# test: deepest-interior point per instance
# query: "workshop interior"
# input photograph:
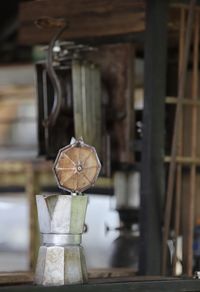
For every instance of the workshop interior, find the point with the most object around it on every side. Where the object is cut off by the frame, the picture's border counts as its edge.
(100, 145)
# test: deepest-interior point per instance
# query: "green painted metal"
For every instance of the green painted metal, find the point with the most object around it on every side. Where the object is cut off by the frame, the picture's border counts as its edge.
(78, 212)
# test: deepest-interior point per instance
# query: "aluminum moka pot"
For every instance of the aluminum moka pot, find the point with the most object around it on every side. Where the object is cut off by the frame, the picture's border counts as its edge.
(61, 218)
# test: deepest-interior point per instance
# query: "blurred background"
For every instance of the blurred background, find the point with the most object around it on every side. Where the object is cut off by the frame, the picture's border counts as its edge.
(138, 61)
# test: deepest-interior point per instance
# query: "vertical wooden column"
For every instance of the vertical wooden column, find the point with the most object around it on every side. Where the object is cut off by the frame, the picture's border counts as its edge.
(152, 169)
(191, 200)
(177, 215)
(32, 189)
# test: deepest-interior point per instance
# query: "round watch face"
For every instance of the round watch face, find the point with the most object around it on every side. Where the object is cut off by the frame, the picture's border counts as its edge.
(77, 167)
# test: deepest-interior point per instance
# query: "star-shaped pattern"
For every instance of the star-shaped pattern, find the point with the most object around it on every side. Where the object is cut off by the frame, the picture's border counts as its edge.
(77, 167)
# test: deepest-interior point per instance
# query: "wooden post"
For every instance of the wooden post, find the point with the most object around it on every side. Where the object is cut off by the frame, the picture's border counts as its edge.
(32, 188)
(191, 200)
(177, 214)
(152, 172)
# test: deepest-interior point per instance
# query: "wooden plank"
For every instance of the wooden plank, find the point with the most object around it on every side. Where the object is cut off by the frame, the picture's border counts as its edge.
(190, 180)
(172, 166)
(191, 200)
(16, 278)
(110, 273)
(184, 218)
(186, 101)
(147, 284)
(197, 199)
(85, 18)
(12, 173)
(187, 160)
(32, 189)
(179, 146)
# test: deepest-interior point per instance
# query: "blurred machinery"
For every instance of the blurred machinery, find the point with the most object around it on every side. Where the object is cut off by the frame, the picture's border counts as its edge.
(68, 87)
(125, 248)
(81, 93)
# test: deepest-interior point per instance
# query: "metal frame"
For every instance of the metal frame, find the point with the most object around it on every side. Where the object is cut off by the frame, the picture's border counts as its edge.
(152, 168)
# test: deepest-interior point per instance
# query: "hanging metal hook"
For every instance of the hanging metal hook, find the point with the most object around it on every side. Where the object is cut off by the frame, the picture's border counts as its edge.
(50, 121)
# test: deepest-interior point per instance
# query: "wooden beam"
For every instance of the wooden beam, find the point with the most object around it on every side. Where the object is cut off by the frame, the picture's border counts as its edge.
(16, 278)
(85, 18)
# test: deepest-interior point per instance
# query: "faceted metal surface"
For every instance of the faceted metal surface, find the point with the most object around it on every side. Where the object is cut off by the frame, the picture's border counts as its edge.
(61, 259)
(86, 80)
(77, 167)
(61, 214)
(59, 265)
